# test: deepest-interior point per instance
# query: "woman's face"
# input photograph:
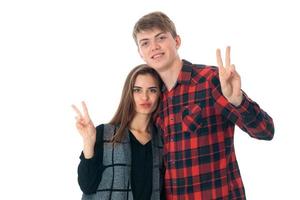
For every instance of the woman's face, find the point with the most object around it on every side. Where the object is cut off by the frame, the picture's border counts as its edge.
(145, 94)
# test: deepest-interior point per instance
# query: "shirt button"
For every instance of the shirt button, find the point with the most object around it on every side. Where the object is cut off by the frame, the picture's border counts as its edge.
(173, 163)
(172, 138)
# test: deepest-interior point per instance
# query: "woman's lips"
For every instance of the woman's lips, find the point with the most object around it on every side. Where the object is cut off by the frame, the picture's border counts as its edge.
(145, 105)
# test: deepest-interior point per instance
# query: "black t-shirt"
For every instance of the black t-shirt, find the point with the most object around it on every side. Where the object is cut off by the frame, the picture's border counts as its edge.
(141, 169)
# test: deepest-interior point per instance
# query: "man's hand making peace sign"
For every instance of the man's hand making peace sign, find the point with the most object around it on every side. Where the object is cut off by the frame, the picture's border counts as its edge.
(229, 78)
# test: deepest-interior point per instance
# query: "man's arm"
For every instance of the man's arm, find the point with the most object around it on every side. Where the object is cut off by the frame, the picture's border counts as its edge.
(235, 105)
(248, 115)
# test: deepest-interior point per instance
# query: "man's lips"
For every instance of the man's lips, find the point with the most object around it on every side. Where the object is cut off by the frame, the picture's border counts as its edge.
(157, 55)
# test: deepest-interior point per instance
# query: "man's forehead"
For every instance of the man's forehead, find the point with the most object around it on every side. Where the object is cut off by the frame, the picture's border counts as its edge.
(145, 34)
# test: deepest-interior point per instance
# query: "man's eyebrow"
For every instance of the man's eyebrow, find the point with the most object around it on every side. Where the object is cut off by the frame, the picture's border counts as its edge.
(151, 87)
(163, 32)
(157, 35)
(144, 39)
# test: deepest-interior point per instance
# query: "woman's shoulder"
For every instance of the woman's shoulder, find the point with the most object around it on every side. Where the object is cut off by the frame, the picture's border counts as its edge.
(105, 126)
(105, 130)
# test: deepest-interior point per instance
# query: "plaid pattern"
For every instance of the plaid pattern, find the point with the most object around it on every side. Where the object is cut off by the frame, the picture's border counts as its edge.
(197, 123)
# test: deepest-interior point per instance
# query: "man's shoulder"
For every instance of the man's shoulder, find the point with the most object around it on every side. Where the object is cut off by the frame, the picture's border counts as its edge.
(204, 68)
(202, 72)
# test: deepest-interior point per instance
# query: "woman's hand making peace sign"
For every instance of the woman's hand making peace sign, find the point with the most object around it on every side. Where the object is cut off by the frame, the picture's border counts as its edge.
(86, 129)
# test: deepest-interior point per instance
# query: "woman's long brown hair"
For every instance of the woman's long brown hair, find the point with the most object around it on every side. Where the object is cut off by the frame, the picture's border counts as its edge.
(126, 108)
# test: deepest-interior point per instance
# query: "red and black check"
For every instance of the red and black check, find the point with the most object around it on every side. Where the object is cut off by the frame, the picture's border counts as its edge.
(197, 123)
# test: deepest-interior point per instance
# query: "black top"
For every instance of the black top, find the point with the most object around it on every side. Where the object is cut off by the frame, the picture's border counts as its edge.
(141, 168)
(141, 171)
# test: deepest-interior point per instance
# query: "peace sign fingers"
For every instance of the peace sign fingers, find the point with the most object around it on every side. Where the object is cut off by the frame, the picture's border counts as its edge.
(85, 115)
(85, 110)
(79, 115)
(219, 59)
(229, 78)
(224, 72)
(227, 57)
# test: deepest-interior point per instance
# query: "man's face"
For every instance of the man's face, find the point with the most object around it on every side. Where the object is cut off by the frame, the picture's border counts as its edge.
(158, 48)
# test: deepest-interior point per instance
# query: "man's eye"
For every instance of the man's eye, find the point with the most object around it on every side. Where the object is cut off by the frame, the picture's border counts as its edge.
(143, 44)
(162, 37)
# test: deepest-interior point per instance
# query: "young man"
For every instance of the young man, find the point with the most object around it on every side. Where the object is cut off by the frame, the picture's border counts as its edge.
(200, 107)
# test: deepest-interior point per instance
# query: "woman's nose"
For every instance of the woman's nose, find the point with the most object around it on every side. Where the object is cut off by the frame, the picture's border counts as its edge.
(145, 96)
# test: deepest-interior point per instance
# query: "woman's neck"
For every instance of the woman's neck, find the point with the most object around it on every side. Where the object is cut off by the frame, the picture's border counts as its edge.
(140, 123)
(139, 128)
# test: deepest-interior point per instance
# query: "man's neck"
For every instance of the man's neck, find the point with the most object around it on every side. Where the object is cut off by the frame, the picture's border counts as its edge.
(170, 75)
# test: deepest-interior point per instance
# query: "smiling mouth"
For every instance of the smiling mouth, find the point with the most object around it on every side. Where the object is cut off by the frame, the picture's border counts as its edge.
(157, 55)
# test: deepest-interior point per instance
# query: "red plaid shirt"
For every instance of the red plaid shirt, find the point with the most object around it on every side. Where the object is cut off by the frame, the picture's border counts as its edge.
(197, 123)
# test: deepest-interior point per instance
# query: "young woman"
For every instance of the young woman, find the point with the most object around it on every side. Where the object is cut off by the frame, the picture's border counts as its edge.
(123, 159)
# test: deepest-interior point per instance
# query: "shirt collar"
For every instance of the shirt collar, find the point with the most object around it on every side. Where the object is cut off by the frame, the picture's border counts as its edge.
(184, 76)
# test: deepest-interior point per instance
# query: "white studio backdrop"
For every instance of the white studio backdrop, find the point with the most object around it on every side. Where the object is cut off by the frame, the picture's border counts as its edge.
(57, 53)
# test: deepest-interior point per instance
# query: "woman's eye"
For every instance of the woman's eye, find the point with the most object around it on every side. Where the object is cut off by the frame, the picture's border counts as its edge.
(136, 90)
(153, 90)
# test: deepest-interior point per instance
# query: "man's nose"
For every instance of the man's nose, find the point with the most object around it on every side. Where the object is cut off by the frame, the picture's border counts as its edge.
(154, 46)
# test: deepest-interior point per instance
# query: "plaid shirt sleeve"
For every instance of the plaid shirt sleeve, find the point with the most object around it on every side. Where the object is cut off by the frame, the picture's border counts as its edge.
(248, 116)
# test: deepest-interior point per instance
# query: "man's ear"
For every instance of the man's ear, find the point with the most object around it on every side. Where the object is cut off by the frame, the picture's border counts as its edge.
(178, 41)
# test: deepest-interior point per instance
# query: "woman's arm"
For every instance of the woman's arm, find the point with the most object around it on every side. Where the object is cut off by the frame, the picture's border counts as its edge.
(90, 169)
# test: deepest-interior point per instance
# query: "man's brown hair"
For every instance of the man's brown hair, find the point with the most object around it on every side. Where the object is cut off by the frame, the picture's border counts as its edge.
(154, 20)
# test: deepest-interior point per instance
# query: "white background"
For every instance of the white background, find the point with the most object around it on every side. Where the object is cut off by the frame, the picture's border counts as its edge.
(56, 53)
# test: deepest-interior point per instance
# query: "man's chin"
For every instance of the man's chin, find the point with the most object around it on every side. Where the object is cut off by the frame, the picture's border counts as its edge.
(158, 64)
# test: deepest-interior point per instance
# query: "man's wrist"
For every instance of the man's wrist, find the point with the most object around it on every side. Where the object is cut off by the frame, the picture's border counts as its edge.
(237, 100)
